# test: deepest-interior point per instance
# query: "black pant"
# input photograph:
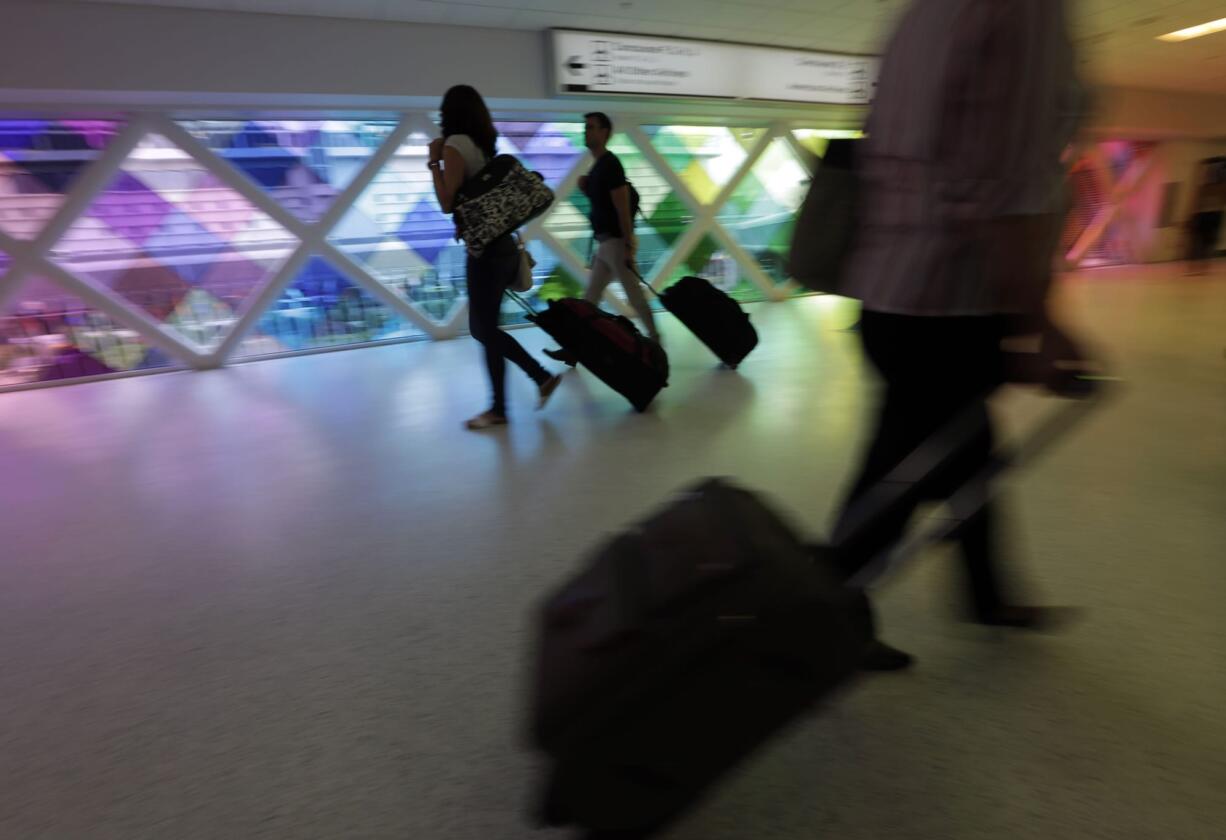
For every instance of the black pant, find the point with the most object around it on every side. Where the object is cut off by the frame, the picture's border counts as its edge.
(489, 276)
(935, 369)
(1205, 229)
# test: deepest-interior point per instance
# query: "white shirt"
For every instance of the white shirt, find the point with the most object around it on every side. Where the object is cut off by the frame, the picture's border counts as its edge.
(474, 159)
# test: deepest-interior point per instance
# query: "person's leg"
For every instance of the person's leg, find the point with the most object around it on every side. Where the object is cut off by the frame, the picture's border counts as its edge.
(598, 279)
(980, 554)
(1213, 232)
(501, 268)
(935, 369)
(971, 346)
(899, 430)
(617, 259)
(884, 341)
(484, 302)
(1195, 238)
(1192, 239)
(989, 592)
(1204, 237)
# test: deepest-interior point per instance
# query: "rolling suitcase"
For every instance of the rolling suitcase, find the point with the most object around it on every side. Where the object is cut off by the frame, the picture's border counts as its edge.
(690, 640)
(715, 318)
(610, 346)
(682, 647)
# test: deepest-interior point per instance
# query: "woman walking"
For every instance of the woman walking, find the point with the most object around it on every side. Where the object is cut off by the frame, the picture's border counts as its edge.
(468, 143)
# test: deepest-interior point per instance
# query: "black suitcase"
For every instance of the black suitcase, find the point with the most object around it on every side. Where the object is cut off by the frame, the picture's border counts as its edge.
(715, 318)
(683, 646)
(691, 639)
(610, 346)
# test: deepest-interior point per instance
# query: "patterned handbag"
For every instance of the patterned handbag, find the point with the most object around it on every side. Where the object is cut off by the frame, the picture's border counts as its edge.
(501, 198)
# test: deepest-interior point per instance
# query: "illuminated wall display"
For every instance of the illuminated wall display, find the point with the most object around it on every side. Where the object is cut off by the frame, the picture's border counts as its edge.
(189, 243)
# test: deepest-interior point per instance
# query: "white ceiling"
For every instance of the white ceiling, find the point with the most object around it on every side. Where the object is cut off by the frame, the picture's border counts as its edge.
(1117, 36)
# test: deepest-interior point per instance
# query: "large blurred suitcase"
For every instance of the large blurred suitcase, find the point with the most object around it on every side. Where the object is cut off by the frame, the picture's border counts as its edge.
(683, 646)
(690, 639)
(610, 346)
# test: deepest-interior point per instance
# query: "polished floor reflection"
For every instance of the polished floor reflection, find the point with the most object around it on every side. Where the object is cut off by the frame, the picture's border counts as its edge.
(292, 599)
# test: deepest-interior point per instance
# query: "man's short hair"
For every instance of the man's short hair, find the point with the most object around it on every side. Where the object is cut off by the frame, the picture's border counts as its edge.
(602, 120)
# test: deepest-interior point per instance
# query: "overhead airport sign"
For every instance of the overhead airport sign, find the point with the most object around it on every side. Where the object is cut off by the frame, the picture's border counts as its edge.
(599, 63)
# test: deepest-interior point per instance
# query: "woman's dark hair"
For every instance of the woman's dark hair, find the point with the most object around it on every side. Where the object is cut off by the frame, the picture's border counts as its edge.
(464, 112)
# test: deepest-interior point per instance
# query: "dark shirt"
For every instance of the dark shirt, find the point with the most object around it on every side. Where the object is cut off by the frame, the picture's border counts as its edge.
(605, 176)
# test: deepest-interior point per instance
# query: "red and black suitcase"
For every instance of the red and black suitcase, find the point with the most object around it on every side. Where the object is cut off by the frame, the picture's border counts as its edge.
(610, 346)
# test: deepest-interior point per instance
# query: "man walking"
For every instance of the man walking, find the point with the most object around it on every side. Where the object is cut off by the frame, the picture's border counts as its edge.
(612, 219)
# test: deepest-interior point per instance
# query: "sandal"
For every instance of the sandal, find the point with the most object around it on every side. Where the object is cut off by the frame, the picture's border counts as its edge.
(547, 388)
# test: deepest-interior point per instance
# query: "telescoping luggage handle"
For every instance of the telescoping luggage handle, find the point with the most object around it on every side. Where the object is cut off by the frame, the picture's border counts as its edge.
(1083, 395)
(635, 271)
(518, 298)
(515, 296)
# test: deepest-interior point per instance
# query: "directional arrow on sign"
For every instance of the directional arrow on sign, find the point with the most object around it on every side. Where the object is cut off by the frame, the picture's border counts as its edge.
(574, 65)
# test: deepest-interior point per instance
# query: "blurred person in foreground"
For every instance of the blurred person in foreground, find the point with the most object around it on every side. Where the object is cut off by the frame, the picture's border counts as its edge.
(962, 193)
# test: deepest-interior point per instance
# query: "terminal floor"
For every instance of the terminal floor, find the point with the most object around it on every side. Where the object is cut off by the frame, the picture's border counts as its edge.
(294, 599)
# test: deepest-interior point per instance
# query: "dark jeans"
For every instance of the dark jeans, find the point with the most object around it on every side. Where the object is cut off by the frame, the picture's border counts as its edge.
(935, 369)
(489, 276)
(1205, 229)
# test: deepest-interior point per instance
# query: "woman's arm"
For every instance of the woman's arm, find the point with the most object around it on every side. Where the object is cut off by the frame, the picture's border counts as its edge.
(448, 172)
